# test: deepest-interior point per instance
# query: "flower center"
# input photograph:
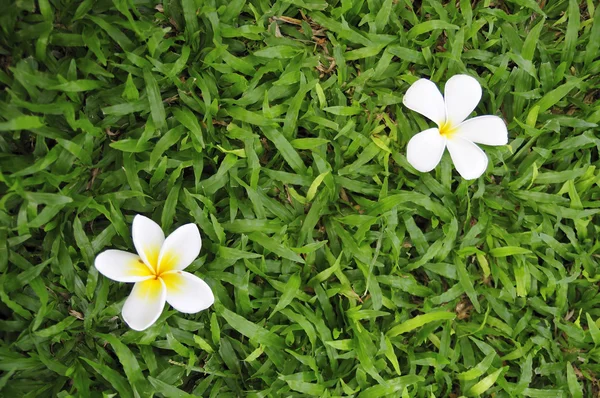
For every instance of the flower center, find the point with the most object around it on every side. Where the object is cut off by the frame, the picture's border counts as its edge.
(447, 130)
(151, 270)
(168, 262)
(158, 274)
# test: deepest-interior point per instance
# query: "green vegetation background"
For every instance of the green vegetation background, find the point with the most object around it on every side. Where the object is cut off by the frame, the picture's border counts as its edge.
(277, 127)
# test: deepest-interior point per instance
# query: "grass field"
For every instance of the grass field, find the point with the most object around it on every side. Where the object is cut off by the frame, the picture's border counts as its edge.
(278, 128)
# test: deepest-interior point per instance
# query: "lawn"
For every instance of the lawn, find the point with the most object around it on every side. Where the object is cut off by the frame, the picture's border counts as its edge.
(279, 129)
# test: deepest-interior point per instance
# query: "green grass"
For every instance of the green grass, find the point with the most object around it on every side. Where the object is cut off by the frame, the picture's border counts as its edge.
(277, 127)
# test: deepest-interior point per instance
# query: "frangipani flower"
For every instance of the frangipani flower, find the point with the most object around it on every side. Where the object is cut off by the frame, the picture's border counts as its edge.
(157, 271)
(461, 95)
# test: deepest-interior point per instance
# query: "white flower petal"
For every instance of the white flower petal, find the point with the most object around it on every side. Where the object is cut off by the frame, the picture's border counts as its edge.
(145, 304)
(425, 150)
(470, 161)
(487, 130)
(186, 292)
(122, 266)
(462, 94)
(180, 248)
(148, 239)
(424, 97)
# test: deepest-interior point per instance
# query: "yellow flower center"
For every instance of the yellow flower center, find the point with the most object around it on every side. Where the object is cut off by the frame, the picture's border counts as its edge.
(447, 130)
(158, 269)
(170, 276)
(152, 271)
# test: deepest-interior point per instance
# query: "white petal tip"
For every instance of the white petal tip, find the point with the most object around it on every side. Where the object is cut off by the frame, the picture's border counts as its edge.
(145, 304)
(487, 130)
(187, 293)
(418, 166)
(140, 217)
(180, 248)
(465, 78)
(462, 94)
(424, 97)
(191, 228)
(121, 266)
(134, 327)
(471, 178)
(425, 150)
(469, 160)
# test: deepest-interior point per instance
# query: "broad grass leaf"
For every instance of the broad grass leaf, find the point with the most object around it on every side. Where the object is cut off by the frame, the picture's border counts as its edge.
(118, 382)
(189, 120)
(593, 43)
(574, 386)
(593, 329)
(286, 149)
(169, 139)
(189, 10)
(428, 26)
(115, 33)
(343, 110)
(25, 277)
(22, 123)
(275, 246)
(289, 292)
(250, 329)
(485, 384)
(508, 251)
(465, 281)
(419, 321)
(278, 52)
(311, 389)
(56, 328)
(167, 389)
(78, 86)
(572, 34)
(129, 362)
(310, 4)
(393, 387)
(155, 100)
(478, 370)
(552, 97)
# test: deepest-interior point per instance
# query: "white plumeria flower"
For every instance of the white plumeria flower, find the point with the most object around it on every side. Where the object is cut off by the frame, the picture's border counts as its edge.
(157, 272)
(461, 96)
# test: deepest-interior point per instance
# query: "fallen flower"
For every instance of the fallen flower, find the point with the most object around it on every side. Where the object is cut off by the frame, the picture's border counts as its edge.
(461, 95)
(157, 272)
